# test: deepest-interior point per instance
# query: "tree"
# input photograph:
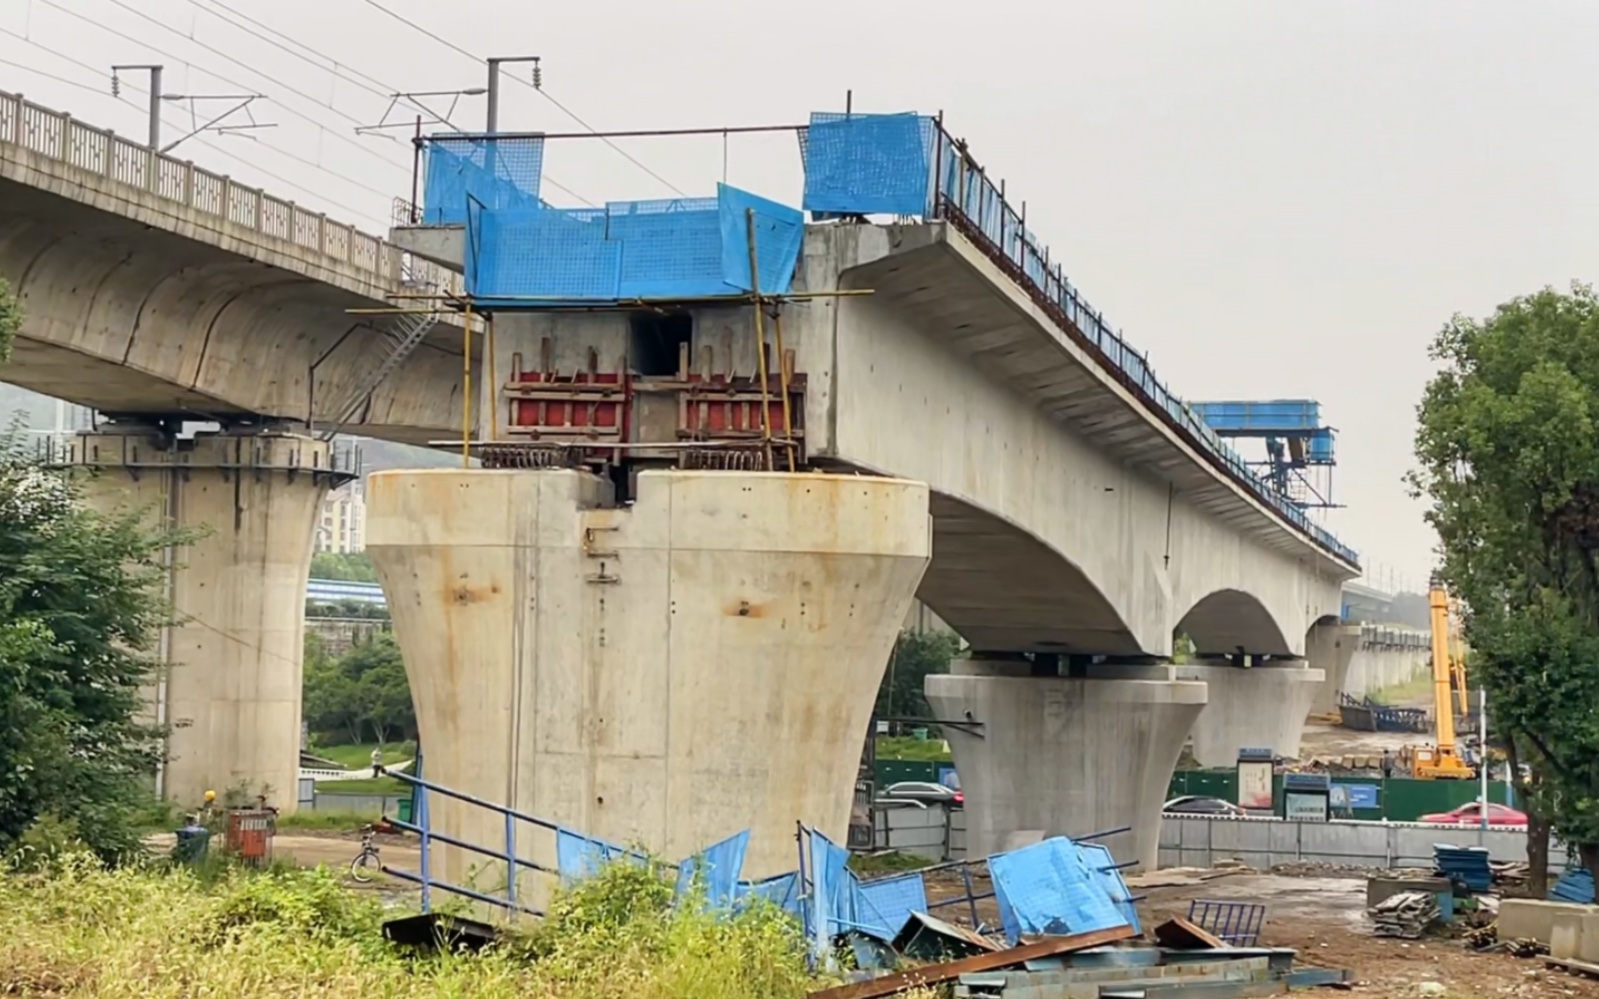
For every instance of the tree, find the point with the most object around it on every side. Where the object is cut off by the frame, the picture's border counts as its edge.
(80, 609)
(915, 655)
(362, 692)
(352, 567)
(1508, 454)
(10, 319)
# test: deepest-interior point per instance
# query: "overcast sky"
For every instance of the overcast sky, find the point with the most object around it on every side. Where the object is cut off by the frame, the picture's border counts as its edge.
(1275, 199)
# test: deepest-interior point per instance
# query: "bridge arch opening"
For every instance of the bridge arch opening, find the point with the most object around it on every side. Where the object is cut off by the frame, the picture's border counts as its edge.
(1005, 590)
(1229, 622)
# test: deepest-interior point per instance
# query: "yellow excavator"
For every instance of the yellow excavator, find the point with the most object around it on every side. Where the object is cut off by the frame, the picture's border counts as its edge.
(1441, 761)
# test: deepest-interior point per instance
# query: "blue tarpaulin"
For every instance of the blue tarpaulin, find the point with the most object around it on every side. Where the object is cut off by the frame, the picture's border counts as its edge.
(717, 868)
(1050, 888)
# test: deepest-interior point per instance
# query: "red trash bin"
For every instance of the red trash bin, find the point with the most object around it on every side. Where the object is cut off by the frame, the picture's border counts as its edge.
(250, 834)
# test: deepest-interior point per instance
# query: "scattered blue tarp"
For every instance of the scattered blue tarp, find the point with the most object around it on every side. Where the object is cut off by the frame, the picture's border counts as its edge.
(1468, 865)
(884, 906)
(1576, 885)
(1050, 888)
(578, 856)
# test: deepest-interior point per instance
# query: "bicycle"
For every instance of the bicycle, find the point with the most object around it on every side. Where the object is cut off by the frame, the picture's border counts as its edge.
(366, 863)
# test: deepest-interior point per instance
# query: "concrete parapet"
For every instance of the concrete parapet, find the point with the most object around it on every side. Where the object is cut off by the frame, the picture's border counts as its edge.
(669, 673)
(231, 689)
(1063, 755)
(1534, 919)
(1262, 707)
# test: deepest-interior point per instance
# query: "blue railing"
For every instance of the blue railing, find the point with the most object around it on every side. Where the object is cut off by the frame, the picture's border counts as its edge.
(964, 196)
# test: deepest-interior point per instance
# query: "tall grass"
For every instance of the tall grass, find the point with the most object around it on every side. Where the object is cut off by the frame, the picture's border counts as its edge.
(79, 929)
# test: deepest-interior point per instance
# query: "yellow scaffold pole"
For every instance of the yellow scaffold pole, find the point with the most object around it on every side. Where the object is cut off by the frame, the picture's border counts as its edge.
(760, 335)
(466, 387)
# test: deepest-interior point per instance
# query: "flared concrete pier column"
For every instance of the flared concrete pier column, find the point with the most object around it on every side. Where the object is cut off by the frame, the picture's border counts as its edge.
(1330, 647)
(1063, 755)
(669, 673)
(1260, 707)
(230, 691)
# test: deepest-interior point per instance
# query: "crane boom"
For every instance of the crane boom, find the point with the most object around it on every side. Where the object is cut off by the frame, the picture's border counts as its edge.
(1443, 761)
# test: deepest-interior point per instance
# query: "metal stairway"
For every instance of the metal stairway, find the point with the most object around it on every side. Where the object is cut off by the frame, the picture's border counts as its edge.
(402, 336)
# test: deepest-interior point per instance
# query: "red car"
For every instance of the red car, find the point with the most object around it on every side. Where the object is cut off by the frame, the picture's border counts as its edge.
(1468, 815)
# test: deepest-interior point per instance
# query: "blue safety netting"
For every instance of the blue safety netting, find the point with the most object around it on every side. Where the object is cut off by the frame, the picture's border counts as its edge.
(498, 173)
(884, 906)
(867, 164)
(630, 250)
(1111, 880)
(578, 856)
(1051, 888)
(716, 868)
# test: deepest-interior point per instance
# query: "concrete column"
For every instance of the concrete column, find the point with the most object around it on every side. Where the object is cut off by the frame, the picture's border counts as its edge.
(1261, 707)
(668, 673)
(1063, 755)
(231, 688)
(1330, 647)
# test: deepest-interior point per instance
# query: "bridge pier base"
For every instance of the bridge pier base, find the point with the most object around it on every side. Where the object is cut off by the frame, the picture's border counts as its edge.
(230, 686)
(1331, 647)
(669, 673)
(1260, 707)
(1063, 755)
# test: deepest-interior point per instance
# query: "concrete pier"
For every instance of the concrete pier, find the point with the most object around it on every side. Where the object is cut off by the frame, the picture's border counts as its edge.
(1063, 755)
(1329, 647)
(1260, 707)
(231, 688)
(666, 673)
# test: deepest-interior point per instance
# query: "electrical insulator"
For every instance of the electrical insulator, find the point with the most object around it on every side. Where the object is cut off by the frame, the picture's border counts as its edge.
(538, 77)
(116, 85)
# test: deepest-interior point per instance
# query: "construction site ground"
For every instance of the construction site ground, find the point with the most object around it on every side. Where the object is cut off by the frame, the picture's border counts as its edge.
(1320, 915)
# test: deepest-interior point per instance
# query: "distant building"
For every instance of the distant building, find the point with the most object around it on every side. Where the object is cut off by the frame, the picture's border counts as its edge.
(342, 527)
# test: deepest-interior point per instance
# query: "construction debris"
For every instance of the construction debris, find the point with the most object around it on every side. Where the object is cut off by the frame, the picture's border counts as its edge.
(1180, 934)
(1406, 915)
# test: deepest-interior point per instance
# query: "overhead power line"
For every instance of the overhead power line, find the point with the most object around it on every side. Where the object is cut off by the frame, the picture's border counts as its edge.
(541, 91)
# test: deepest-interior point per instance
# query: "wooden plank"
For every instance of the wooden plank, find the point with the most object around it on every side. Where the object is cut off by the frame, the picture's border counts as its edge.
(1181, 934)
(932, 974)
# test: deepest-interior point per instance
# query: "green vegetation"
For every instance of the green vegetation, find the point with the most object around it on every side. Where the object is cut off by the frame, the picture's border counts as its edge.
(905, 747)
(916, 654)
(355, 567)
(1508, 452)
(891, 862)
(359, 694)
(354, 756)
(10, 319)
(82, 930)
(378, 785)
(80, 607)
(1411, 693)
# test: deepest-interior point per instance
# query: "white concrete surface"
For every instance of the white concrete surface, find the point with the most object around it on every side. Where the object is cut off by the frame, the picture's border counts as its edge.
(701, 662)
(1204, 841)
(1363, 660)
(1064, 756)
(231, 689)
(1260, 707)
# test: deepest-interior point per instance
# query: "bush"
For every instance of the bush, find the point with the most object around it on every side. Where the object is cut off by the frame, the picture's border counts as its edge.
(92, 931)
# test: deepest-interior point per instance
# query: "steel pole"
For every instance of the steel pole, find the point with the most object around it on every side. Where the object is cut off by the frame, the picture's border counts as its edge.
(155, 107)
(491, 119)
(1482, 741)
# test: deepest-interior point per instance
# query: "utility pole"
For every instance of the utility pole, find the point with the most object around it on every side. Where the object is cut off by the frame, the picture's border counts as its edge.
(492, 118)
(155, 97)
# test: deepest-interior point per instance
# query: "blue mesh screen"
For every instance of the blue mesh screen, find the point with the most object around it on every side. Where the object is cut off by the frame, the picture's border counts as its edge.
(867, 164)
(883, 907)
(779, 238)
(1050, 888)
(670, 249)
(578, 856)
(688, 248)
(717, 868)
(498, 173)
(1110, 878)
(530, 257)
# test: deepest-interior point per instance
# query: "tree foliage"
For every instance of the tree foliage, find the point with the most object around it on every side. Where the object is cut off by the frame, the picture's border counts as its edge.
(10, 320)
(916, 654)
(353, 567)
(1508, 450)
(362, 693)
(80, 609)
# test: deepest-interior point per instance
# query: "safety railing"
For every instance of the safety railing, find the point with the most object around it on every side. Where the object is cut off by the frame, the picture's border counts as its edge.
(421, 824)
(964, 196)
(63, 138)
